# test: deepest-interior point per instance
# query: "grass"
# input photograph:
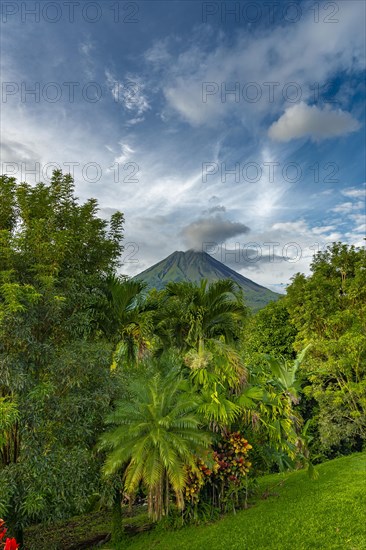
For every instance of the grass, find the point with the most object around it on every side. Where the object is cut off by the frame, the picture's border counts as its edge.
(291, 512)
(299, 514)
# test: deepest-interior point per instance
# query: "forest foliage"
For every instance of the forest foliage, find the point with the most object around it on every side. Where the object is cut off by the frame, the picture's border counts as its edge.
(179, 396)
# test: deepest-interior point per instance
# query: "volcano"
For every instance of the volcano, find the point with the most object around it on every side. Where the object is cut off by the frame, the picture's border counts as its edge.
(193, 266)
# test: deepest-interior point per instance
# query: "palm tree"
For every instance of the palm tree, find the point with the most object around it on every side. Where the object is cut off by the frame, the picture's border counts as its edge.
(204, 323)
(206, 311)
(131, 314)
(154, 437)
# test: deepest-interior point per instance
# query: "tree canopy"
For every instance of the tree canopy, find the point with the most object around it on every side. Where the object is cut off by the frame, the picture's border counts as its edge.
(55, 259)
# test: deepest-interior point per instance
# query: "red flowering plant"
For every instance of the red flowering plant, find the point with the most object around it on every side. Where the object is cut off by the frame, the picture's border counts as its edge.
(197, 477)
(231, 456)
(197, 504)
(230, 482)
(221, 477)
(8, 544)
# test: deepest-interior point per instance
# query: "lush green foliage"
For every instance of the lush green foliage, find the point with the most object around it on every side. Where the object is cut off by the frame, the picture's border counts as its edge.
(287, 511)
(183, 377)
(157, 435)
(55, 257)
(329, 311)
(270, 331)
(201, 328)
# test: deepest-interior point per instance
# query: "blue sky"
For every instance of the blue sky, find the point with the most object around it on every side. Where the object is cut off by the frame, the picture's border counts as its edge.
(233, 127)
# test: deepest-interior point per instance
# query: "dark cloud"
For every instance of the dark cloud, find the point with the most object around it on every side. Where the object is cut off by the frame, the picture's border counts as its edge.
(214, 229)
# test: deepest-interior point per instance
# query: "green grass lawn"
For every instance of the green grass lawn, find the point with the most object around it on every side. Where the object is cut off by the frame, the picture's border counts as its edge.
(301, 514)
(291, 512)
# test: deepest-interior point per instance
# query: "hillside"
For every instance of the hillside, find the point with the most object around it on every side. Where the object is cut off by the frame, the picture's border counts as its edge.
(193, 266)
(289, 511)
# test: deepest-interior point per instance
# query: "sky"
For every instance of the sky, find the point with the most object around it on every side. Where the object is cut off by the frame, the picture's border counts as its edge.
(237, 128)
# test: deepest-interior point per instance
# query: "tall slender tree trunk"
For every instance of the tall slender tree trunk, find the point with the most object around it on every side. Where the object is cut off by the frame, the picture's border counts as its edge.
(117, 527)
(166, 494)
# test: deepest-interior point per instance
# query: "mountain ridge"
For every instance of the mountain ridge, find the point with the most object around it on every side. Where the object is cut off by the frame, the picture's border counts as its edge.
(193, 266)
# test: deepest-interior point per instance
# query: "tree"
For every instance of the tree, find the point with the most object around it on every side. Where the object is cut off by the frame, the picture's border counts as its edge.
(132, 320)
(154, 437)
(202, 312)
(270, 331)
(328, 308)
(55, 256)
(204, 322)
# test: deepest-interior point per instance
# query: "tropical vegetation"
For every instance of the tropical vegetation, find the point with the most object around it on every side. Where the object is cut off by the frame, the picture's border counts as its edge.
(179, 398)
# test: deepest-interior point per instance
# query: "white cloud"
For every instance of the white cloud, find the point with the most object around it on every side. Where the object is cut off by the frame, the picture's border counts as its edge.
(301, 120)
(324, 193)
(275, 254)
(348, 207)
(86, 58)
(360, 229)
(134, 121)
(86, 47)
(324, 229)
(158, 53)
(130, 93)
(358, 218)
(354, 192)
(125, 155)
